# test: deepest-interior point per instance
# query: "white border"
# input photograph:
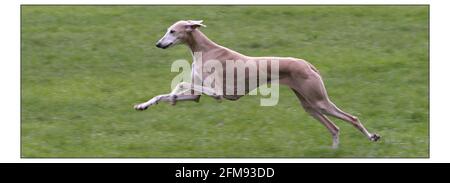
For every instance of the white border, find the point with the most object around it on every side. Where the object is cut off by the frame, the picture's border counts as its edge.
(10, 75)
(226, 2)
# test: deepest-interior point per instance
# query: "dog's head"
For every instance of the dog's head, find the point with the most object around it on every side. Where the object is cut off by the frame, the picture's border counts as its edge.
(178, 33)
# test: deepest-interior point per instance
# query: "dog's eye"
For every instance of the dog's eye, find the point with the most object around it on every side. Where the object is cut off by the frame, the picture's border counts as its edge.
(171, 31)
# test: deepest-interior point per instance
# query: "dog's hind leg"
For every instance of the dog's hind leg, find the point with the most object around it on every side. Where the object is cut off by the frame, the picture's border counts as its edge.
(334, 111)
(332, 128)
(312, 89)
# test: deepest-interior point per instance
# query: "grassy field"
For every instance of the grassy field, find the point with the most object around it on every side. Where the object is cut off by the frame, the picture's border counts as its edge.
(84, 67)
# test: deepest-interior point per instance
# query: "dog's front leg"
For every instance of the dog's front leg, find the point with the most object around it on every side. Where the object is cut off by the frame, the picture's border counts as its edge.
(150, 102)
(181, 92)
(204, 90)
(172, 98)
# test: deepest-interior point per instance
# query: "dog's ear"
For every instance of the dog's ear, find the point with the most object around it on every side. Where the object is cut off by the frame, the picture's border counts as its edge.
(194, 24)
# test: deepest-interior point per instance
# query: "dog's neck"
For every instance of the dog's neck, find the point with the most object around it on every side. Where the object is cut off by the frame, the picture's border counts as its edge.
(198, 42)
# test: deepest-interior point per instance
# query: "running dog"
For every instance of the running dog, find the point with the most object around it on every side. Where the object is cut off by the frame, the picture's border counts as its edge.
(301, 76)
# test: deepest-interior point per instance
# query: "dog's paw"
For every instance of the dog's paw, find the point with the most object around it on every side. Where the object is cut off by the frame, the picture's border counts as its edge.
(140, 107)
(375, 137)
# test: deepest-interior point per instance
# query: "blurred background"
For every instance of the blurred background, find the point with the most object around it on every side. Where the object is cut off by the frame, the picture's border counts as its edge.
(84, 67)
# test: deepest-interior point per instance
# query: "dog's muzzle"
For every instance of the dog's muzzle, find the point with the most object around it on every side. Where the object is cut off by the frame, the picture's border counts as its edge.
(159, 45)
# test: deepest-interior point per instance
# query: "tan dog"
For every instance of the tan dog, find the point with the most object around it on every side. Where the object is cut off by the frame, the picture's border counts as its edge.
(302, 77)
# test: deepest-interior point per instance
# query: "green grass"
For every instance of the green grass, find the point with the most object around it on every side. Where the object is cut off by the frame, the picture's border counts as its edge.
(83, 68)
